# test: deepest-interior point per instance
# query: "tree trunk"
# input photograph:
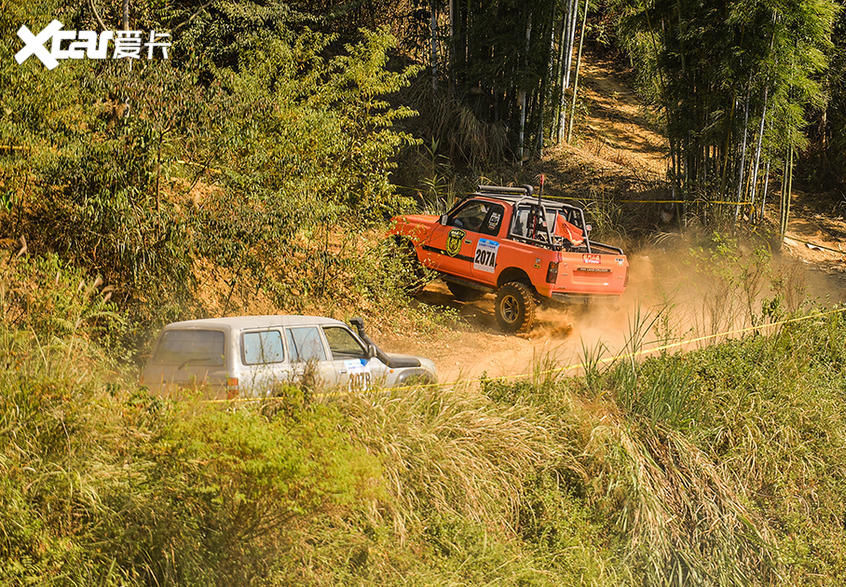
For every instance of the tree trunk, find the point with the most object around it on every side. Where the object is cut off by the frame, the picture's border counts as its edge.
(742, 165)
(451, 48)
(576, 78)
(433, 30)
(758, 148)
(563, 35)
(787, 194)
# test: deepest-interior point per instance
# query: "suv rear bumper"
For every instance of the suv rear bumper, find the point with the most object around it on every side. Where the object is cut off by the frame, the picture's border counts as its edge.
(576, 298)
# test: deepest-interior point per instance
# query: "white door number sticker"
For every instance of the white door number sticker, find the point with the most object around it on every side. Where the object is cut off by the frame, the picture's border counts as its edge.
(359, 372)
(485, 258)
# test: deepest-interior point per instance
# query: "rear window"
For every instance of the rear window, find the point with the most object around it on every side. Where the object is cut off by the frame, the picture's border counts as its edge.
(263, 347)
(190, 347)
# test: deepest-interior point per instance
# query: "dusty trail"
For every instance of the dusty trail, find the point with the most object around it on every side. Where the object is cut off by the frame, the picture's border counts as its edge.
(665, 289)
(619, 149)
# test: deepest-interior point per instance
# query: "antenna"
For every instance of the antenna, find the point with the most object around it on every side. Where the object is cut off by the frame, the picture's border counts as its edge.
(540, 191)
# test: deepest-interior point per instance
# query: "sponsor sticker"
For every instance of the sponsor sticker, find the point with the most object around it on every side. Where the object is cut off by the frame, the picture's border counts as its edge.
(485, 257)
(494, 221)
(591, 259)
(453, 244)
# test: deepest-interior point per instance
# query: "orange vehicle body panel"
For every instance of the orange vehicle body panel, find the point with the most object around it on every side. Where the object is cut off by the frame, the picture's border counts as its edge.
(596, 274)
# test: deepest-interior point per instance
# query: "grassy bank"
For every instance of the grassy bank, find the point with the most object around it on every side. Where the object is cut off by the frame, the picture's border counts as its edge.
(723, 465)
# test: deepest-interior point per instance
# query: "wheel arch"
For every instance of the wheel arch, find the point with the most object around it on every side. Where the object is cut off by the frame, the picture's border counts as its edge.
(401, 239)
(407, 241)
(514, 274)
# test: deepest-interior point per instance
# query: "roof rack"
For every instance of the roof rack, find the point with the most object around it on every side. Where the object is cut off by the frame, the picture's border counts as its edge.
(521, 190)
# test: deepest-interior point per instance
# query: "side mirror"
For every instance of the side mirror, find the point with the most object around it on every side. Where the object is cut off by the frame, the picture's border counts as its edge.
(443, 219)
(371, 351)
(588, 227)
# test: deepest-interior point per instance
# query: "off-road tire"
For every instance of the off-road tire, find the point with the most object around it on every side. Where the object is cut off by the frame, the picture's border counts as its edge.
(515, 307)
(415, 273)
(463, 292)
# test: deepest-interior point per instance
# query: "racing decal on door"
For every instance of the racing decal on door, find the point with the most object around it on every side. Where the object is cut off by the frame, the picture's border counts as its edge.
(359, 372)
(453, 243)
(485, 257)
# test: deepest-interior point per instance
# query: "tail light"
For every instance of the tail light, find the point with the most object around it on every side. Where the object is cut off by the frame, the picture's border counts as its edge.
(231, 387)
(552, 272)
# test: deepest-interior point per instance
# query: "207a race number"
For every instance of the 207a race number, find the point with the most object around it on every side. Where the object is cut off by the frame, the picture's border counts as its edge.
(485, 257)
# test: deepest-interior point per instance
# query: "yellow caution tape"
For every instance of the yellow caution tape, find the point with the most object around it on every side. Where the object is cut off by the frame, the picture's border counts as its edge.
(572, 367)
(575, 199)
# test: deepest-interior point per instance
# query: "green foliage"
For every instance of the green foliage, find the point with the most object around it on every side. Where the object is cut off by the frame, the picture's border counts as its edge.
(103, 483)
(716, 69)
(257, 136)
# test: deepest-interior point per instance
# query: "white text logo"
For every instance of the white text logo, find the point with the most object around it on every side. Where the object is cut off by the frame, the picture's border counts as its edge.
(90, 44)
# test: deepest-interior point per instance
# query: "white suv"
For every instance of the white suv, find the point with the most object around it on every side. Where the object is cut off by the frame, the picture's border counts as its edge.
(248, 355)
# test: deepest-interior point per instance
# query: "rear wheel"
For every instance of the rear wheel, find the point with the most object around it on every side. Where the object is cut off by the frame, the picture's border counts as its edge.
(463, 292)
(515, 307)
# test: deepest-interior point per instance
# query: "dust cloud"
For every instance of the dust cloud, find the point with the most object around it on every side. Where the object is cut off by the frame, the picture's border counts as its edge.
(674, 294)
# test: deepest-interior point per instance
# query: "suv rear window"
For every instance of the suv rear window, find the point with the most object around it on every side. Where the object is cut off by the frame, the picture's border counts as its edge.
(190, 347)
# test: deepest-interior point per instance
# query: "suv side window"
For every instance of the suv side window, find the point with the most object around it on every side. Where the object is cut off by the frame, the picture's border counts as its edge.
(478, 216)
(305, 344)
(262, 347)
(470, 216)
(343, 344)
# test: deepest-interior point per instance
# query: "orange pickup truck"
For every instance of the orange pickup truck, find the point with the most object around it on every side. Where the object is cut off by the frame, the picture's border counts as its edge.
(525, 248)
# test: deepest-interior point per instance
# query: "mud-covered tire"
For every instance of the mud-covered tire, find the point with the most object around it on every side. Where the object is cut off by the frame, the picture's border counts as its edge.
(463, 292)
(415, 276)
(515, 307)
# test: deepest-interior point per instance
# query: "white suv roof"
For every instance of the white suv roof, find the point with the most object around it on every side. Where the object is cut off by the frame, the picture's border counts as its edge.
(246, 322)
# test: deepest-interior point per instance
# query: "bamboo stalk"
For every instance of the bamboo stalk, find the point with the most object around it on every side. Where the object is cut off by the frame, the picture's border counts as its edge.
(742, 164)
(576, 78)
(433, 30)
(523, 92)
(566, 63)
(764, 193)
(758, 148)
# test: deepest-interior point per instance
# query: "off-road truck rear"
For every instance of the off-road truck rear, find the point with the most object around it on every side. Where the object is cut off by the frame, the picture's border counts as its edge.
(524, 248)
